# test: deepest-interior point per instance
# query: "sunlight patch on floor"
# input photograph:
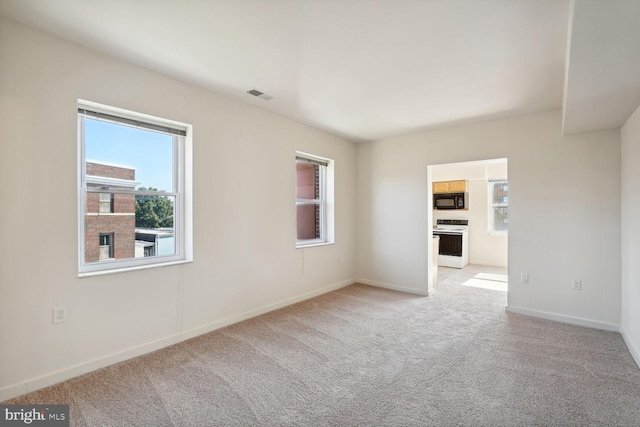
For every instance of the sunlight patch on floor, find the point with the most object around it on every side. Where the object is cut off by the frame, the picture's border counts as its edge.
(494, 282)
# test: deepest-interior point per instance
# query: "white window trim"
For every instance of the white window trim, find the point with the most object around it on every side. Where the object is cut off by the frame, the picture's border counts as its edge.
(183, 161)
(490, 206)
(327, 200)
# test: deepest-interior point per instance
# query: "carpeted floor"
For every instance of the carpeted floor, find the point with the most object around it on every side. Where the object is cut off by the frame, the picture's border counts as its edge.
(363, 356)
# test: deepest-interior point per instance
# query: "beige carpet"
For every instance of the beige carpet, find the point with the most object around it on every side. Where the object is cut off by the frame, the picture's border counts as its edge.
(363, 356)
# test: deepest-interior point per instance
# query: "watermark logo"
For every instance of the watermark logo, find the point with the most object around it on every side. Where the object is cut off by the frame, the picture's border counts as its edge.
(36, 415)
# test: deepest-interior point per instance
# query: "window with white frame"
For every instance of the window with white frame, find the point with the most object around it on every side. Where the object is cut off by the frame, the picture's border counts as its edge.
(314, 194)
(498, 207)
(132, 173)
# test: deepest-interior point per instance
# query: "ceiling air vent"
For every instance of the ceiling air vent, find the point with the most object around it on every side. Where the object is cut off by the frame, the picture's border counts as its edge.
(261, 95)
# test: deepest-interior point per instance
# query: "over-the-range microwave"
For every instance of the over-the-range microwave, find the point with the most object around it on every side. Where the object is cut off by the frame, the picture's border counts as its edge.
(451, 201)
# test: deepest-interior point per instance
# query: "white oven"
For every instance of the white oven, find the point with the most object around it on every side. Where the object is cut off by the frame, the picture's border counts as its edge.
(454, 242)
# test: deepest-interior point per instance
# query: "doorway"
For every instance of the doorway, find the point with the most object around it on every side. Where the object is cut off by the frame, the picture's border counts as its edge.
(486, 211)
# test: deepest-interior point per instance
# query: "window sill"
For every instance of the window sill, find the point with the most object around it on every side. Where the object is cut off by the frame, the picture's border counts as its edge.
(312, 243)
(133, 268)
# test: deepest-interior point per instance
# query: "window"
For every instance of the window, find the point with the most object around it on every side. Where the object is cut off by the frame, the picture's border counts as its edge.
(106, 246)
(106, 203)
(498, 207)
(314, 196)
(132, 184)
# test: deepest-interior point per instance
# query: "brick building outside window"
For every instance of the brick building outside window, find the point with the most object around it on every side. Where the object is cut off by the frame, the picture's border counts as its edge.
(110, 217)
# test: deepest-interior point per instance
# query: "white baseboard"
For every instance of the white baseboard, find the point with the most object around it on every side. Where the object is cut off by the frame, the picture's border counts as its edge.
(52, 378)
(393, 287)
(55, 377)
(565, 319)
(635, 353)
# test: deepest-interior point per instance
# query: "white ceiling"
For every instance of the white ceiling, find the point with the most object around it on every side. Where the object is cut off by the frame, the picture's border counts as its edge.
(362, 69)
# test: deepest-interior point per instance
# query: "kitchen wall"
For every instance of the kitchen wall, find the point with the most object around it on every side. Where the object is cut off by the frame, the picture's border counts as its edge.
(630, 325)
(484, 248)
(564, 212)
(245, 261)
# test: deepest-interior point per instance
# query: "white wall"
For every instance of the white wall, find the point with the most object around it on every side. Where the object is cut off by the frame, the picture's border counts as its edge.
(484, 248)
(245, 259)
(564, 212)
(630, 325)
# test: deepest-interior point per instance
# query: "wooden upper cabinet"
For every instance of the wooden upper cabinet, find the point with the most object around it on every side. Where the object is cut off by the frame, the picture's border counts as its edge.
(440, 187)
(457, 186)
(450, 187)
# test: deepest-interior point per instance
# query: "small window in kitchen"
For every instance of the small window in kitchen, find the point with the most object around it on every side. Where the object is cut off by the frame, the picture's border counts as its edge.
(498, 207)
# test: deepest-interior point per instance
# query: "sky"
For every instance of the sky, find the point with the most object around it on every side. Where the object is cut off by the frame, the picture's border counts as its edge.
(150, 153)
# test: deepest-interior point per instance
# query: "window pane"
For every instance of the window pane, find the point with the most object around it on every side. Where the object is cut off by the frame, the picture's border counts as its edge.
(105, 249)
(105, 252)
(307, 181)
(155, 232)
(308, 221)
(141, 225)
(121, 158)
(106, 203)
(498, 209)
(139, 156)
(500, 193)
(500, 219)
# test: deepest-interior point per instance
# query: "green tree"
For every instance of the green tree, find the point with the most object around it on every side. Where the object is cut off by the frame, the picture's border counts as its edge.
(153, 211)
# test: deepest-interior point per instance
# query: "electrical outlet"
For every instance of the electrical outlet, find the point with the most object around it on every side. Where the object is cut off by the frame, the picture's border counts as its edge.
(59, 315)
(576, 285)
(524, 278)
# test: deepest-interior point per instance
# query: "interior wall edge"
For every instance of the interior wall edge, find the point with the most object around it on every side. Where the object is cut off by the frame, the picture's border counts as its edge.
(393, 287)
(633, 349)
(630, 234)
